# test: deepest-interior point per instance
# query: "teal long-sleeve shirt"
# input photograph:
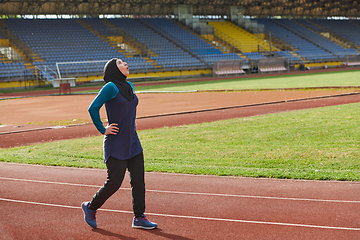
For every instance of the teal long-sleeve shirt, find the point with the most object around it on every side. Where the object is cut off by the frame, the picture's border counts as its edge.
(108, 92)
(125, 144)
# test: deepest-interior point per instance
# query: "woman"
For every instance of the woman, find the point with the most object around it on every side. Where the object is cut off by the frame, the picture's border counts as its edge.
(122, 148)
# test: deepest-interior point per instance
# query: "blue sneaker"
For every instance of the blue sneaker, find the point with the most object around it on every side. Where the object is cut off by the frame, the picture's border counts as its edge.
(89, 215)
(143, 222)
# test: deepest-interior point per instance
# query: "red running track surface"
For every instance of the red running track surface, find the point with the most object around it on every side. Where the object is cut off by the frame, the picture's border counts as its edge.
(40, 202)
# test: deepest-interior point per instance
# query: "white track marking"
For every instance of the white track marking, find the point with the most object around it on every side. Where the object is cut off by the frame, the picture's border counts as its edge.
(191, 217)
(50, 182)
(191, 193)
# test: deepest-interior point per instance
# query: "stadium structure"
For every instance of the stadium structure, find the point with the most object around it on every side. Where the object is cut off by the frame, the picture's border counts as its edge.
(53, 42)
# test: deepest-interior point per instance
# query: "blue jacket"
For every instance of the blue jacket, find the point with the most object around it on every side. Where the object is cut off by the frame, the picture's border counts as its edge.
(125, 144)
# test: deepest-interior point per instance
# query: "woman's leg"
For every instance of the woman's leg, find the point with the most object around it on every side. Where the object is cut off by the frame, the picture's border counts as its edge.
(137, 181)
(116, 171)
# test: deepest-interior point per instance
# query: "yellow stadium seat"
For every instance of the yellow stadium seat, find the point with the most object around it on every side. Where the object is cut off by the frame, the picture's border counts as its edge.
(239, 38)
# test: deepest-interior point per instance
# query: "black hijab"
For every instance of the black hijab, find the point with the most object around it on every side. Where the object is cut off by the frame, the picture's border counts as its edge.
(113, 74)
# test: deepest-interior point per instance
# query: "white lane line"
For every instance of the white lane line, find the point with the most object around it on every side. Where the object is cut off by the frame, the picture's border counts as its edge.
(49, 182)
(259, 197)
(192, 193)
(191, 217)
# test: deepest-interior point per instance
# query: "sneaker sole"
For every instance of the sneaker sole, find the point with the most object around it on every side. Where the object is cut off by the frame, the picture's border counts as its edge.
(142, 227)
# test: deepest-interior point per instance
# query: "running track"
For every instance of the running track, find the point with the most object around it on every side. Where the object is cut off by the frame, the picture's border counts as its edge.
(40, 202)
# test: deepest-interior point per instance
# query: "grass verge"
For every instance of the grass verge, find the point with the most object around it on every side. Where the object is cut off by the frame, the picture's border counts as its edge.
(321, 143)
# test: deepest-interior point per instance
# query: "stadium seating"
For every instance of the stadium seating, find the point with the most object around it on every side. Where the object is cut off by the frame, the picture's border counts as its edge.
(8, 70)
(63, 40)
(193, 43)
(303, 47)
(349, 30)
(254, 55)
(136, 63)
(78, 47)
(292, 58)
(316, 38)
(166, 54)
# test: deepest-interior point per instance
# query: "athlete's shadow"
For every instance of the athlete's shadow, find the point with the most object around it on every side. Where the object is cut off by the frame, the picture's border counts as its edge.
(111, 234)
(159, 232)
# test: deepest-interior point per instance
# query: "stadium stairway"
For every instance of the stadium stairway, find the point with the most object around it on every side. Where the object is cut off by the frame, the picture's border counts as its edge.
(97, 33)
(138, 47)
(129, 48)
(134, 44)
(220, 44)
(18, 59)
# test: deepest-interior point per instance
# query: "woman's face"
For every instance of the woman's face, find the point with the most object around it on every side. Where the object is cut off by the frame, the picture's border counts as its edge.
(123, 67)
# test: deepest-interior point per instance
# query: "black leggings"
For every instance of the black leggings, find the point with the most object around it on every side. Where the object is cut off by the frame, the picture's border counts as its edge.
(116, 172)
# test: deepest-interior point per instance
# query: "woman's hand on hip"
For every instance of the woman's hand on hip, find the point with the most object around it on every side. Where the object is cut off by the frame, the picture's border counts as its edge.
(111, 129)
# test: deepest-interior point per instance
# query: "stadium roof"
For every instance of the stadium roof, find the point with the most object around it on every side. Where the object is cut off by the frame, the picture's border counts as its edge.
(261, 8)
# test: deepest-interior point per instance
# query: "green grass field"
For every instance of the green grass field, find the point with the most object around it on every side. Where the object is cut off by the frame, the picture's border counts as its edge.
(321, 143)
(314, 80)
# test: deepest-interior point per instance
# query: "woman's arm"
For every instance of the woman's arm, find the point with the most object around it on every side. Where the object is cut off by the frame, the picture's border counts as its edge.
(108, 92)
